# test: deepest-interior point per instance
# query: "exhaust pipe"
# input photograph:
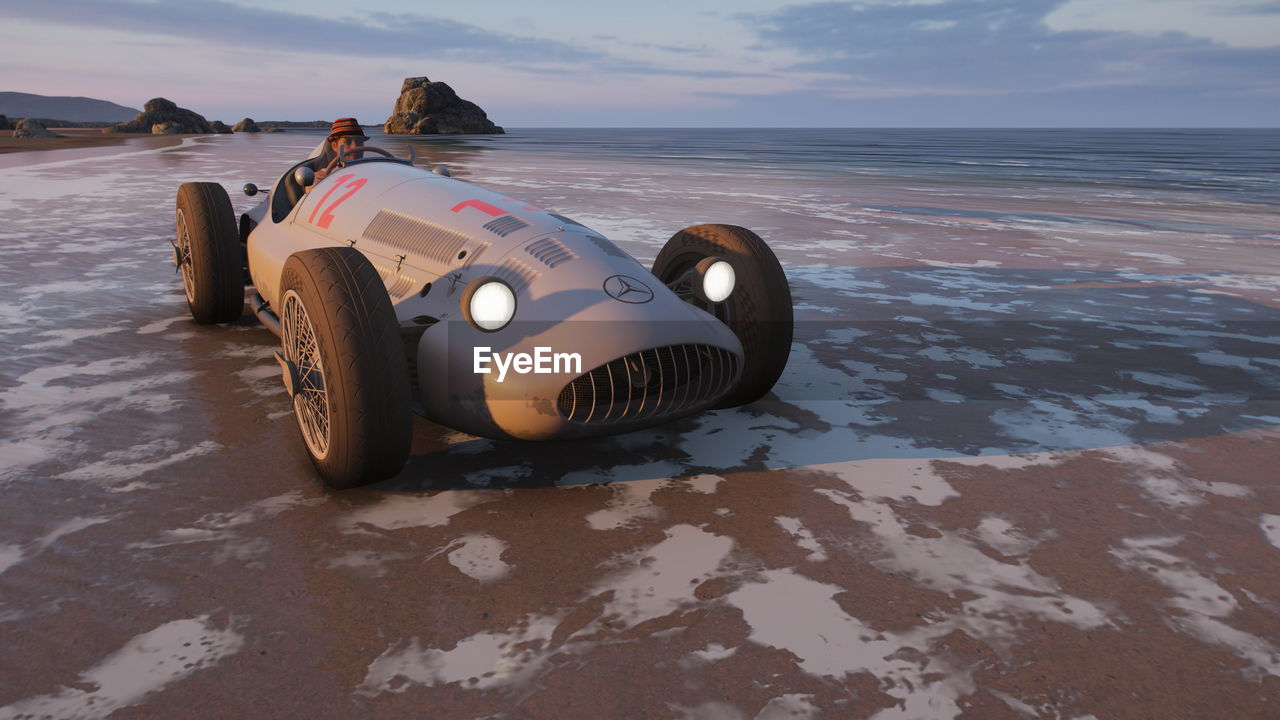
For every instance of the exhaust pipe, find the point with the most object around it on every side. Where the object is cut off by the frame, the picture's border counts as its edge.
(268, 319)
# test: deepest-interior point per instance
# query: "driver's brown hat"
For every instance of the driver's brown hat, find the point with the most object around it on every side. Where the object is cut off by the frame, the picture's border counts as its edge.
(346, 126)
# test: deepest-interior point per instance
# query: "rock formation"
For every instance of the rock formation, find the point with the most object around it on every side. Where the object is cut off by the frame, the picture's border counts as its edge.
(246, 125)
(219, 127)
(4, 123)
(165, 115)
(31, 129)
(433, 108)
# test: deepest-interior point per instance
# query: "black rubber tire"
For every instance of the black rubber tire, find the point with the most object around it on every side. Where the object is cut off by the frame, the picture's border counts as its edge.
(759, 309)
(215, 289)
(366, 377)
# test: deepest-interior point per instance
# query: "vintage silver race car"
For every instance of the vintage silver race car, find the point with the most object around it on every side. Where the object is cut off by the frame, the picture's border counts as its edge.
(396, 288)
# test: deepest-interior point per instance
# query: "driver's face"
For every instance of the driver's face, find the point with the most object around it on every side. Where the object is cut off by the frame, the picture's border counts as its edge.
(347, 143)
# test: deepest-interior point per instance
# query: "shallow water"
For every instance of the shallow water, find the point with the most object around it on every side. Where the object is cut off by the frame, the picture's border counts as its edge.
(1034, 385)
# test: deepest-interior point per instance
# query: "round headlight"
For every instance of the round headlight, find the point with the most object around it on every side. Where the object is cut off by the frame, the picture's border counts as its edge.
(718, 281)
(490, 304)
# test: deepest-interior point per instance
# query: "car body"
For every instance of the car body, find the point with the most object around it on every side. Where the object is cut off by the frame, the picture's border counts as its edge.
(597, 343)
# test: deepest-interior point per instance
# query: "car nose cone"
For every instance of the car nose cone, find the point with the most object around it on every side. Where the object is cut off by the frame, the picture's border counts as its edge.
(627, 289)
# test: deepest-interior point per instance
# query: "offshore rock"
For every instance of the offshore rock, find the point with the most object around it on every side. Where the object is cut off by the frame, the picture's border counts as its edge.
(246, 125)
(433, 108)
(31, 129)
(167, 115)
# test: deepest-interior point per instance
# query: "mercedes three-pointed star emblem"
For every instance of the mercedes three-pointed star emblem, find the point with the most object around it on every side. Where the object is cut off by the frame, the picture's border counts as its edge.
(627, 289)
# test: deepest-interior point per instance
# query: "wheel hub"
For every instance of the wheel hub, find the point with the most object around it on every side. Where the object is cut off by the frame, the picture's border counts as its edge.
(303, 374)
(289, 372)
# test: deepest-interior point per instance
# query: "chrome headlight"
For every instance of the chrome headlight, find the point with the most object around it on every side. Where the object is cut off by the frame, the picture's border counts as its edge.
(489, 304)
(717, 279)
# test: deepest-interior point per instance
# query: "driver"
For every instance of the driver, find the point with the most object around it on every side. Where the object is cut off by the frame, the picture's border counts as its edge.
(345, 135)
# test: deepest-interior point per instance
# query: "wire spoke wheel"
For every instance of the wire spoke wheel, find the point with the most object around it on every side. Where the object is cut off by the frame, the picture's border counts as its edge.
(346, 364)
(182, 256)
(311, 400)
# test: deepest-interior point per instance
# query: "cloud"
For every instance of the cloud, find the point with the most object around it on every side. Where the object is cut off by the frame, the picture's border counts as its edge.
(381, 35)
(996, 46)
(885, 62)
(374, 35)
(1252, 8)
(1237, 23)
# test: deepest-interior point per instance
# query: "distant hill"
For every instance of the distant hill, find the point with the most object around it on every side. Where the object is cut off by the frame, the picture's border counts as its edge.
(24, 105)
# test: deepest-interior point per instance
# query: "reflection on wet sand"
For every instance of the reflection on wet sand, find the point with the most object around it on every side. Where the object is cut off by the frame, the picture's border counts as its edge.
(1015, 467)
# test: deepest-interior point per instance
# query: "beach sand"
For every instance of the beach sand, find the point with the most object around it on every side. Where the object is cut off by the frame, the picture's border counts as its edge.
(1011, 471)
(76, 138)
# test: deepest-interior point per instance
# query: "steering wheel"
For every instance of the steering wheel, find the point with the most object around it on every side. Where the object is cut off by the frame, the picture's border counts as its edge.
(342, 154)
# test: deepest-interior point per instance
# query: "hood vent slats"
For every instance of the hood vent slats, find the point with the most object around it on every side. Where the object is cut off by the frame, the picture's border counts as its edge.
(392, 233)
(550, 252)
(505, 225)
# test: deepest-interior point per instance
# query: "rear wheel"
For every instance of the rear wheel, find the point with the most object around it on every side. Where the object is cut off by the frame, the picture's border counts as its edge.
(206, 251)
(758, 310)
(344, 366)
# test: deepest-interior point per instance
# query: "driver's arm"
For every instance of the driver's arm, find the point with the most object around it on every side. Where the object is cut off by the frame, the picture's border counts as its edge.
(322, 172)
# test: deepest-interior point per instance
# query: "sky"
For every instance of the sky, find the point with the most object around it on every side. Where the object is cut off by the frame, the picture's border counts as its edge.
(670, 63)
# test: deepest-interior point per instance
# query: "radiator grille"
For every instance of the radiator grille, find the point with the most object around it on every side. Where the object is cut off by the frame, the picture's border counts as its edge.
(550, 252)
(649, 383)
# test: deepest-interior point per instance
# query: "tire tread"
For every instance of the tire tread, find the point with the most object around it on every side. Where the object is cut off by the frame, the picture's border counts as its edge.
(365, 371)
(215, 252)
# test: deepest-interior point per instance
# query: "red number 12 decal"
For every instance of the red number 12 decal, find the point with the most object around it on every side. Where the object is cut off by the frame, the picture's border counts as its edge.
(326, 217)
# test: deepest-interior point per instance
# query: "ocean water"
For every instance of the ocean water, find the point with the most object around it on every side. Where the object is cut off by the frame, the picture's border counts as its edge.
(978, 311)
(1234, 164)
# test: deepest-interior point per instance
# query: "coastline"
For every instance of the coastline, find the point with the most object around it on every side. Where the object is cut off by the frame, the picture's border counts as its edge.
(82, 145)
(78, 138)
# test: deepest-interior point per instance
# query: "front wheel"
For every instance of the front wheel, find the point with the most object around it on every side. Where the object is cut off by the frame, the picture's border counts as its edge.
(344, 366)
(206, 250)
(758, 310)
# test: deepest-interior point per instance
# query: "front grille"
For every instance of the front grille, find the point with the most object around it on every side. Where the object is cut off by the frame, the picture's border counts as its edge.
(659, 381)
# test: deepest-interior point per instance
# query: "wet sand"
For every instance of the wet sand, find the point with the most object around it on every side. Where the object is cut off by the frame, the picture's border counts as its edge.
(1006, 475)
(77, 143)
(68, 138)
(74, 138)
